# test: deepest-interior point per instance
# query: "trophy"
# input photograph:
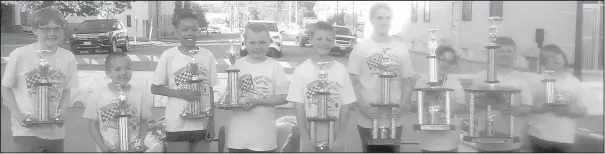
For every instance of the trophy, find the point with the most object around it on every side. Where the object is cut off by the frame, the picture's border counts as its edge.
(197, 108)
(322, 124)
(554, 99)
(384, 126)
(43, 85)
(156, 136)
(123, 116)
(500, 99)
(434, 119)
(232, 81)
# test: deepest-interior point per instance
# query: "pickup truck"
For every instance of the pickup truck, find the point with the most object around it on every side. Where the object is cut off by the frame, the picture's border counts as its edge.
(344, 40)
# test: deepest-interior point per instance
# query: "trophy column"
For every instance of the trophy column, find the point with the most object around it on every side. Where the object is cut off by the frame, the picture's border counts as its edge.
(232, 80)
(123, 116)
(384, 127)
(43, 85)
(435, 111)
(197, 108)
(322, 124)
(501, 98)
(554, 99)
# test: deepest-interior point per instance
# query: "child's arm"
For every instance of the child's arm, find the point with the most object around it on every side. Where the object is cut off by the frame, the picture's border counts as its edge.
(143, 129)
(274, 100)
(301, 121)
(343, 122)
(95, 133)
(8, 82)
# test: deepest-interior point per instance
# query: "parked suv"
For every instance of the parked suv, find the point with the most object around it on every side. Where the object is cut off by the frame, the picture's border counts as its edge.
(275, 48)
(99, 34)
(303, 37)
(344, 40)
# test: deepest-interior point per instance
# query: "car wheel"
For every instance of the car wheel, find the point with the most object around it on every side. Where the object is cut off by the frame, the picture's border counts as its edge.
(301, 43)
(125, 46)
(75, 51)
(113, 47)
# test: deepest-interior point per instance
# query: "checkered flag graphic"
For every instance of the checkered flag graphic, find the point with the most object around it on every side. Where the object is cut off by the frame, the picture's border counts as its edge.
(375, 63)
(182, 76)
(109, 113)
(312, 89)
(31, 78)
(246, 84)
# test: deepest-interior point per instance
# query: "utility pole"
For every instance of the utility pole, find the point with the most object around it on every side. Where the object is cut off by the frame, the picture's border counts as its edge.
(296, 11)
(289, 13)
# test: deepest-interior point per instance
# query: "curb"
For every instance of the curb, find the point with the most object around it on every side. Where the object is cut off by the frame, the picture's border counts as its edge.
(202, 42)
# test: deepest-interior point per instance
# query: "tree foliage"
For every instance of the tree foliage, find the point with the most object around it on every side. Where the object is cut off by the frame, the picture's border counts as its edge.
(201, 14)
(78, 8)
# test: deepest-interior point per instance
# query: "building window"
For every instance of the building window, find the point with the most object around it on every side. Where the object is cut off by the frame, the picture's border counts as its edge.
(467, 11)
(495, 9)
(414, 11)
(427, 11)
(128, 20)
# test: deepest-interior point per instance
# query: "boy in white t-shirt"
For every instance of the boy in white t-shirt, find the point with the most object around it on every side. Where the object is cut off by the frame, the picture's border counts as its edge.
(185, 135)
(263, 85)
(508, 77)
(340, 88)
(104, 107)
(443, 141)
(18, 84)
(555, 130)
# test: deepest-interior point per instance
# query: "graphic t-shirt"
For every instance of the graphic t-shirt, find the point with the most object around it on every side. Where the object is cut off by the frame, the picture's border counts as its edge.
(442, 140)
(255, 128)
(21, 75)
(365, 62)
(550, 127)
(514, 79)
(173, 71)
(304, 88)
(104, 108)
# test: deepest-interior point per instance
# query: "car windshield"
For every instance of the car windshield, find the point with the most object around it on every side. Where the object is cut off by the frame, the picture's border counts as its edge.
(342, 31)
(96, 24)
(270, 26)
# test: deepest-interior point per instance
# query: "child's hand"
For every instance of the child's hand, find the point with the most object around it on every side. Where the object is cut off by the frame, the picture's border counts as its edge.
(251, 103)
(105, 148)
(189, 94)
(21, 118)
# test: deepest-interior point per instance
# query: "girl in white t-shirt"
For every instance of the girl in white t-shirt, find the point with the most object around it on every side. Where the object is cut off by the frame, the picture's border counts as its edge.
(302, 84)
(443, 141)
(263, 85)
(555, 130)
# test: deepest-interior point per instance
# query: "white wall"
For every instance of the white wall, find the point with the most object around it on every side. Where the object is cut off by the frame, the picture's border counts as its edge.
(139, 9)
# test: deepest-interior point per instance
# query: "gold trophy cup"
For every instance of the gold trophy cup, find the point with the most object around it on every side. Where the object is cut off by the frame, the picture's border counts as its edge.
(322, 124)
(202, 107)
(232, 81)
(432, 121)
(384, 126)
(123, 116)
(501, 98)
(554, 99)
(43, 86)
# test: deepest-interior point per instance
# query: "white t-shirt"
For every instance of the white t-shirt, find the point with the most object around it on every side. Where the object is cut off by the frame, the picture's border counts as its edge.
(514, 79)
(548, 126)
(362, 62)
(169, 72)
(255, 128)
(104, 108)
(21, 74)
(442, 140)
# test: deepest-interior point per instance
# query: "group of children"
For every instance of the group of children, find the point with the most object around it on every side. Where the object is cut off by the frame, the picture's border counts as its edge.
(252, 129)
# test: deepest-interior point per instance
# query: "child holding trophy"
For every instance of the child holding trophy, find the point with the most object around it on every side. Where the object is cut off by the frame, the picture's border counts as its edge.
(36, 86)
(555, 130)
(186, 74)
(107, 126)
(305, 86)
(443, 141)
(262, 85)
(369, 60)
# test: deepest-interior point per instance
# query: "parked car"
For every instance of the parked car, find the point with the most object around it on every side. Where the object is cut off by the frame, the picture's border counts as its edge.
(214, 30)
(99, 34)
(275, 48)
(303, 37)
(344, 40)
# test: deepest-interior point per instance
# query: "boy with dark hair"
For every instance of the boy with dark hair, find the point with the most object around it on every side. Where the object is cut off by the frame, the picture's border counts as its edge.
(21, 74)
(185, 135)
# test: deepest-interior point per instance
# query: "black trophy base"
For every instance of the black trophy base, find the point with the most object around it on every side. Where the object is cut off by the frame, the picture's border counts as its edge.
(503, 140)
(436, 89)
(322, 149)
(318, 119)
(129, 151)
(195, 116)
(384, 105)
(384, 142)
(229, 106)
(496, 89)
(554, 105)
(124, 115)
(434, 127)
(37, 122)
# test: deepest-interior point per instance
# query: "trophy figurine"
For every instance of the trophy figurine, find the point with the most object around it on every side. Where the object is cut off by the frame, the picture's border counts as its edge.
(554, 99)
(232, 80)
(436, 108)
(42, 86)
(123, 116)
(197, 108)
(500, 99)
(385, 122)
(322, 124)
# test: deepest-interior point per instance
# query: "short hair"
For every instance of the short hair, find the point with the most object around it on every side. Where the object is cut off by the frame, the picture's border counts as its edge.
(183, 14)
(256, 27)
(552, 49)
(505, 40)
(46, 15)
(378, 6)
(442, 49)
(320, 25)
(112, 56)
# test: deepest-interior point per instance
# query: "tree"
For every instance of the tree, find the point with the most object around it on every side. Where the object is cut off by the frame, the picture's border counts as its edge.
(78, 8)
(178, 6)
(187, 5)
(201, 14)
